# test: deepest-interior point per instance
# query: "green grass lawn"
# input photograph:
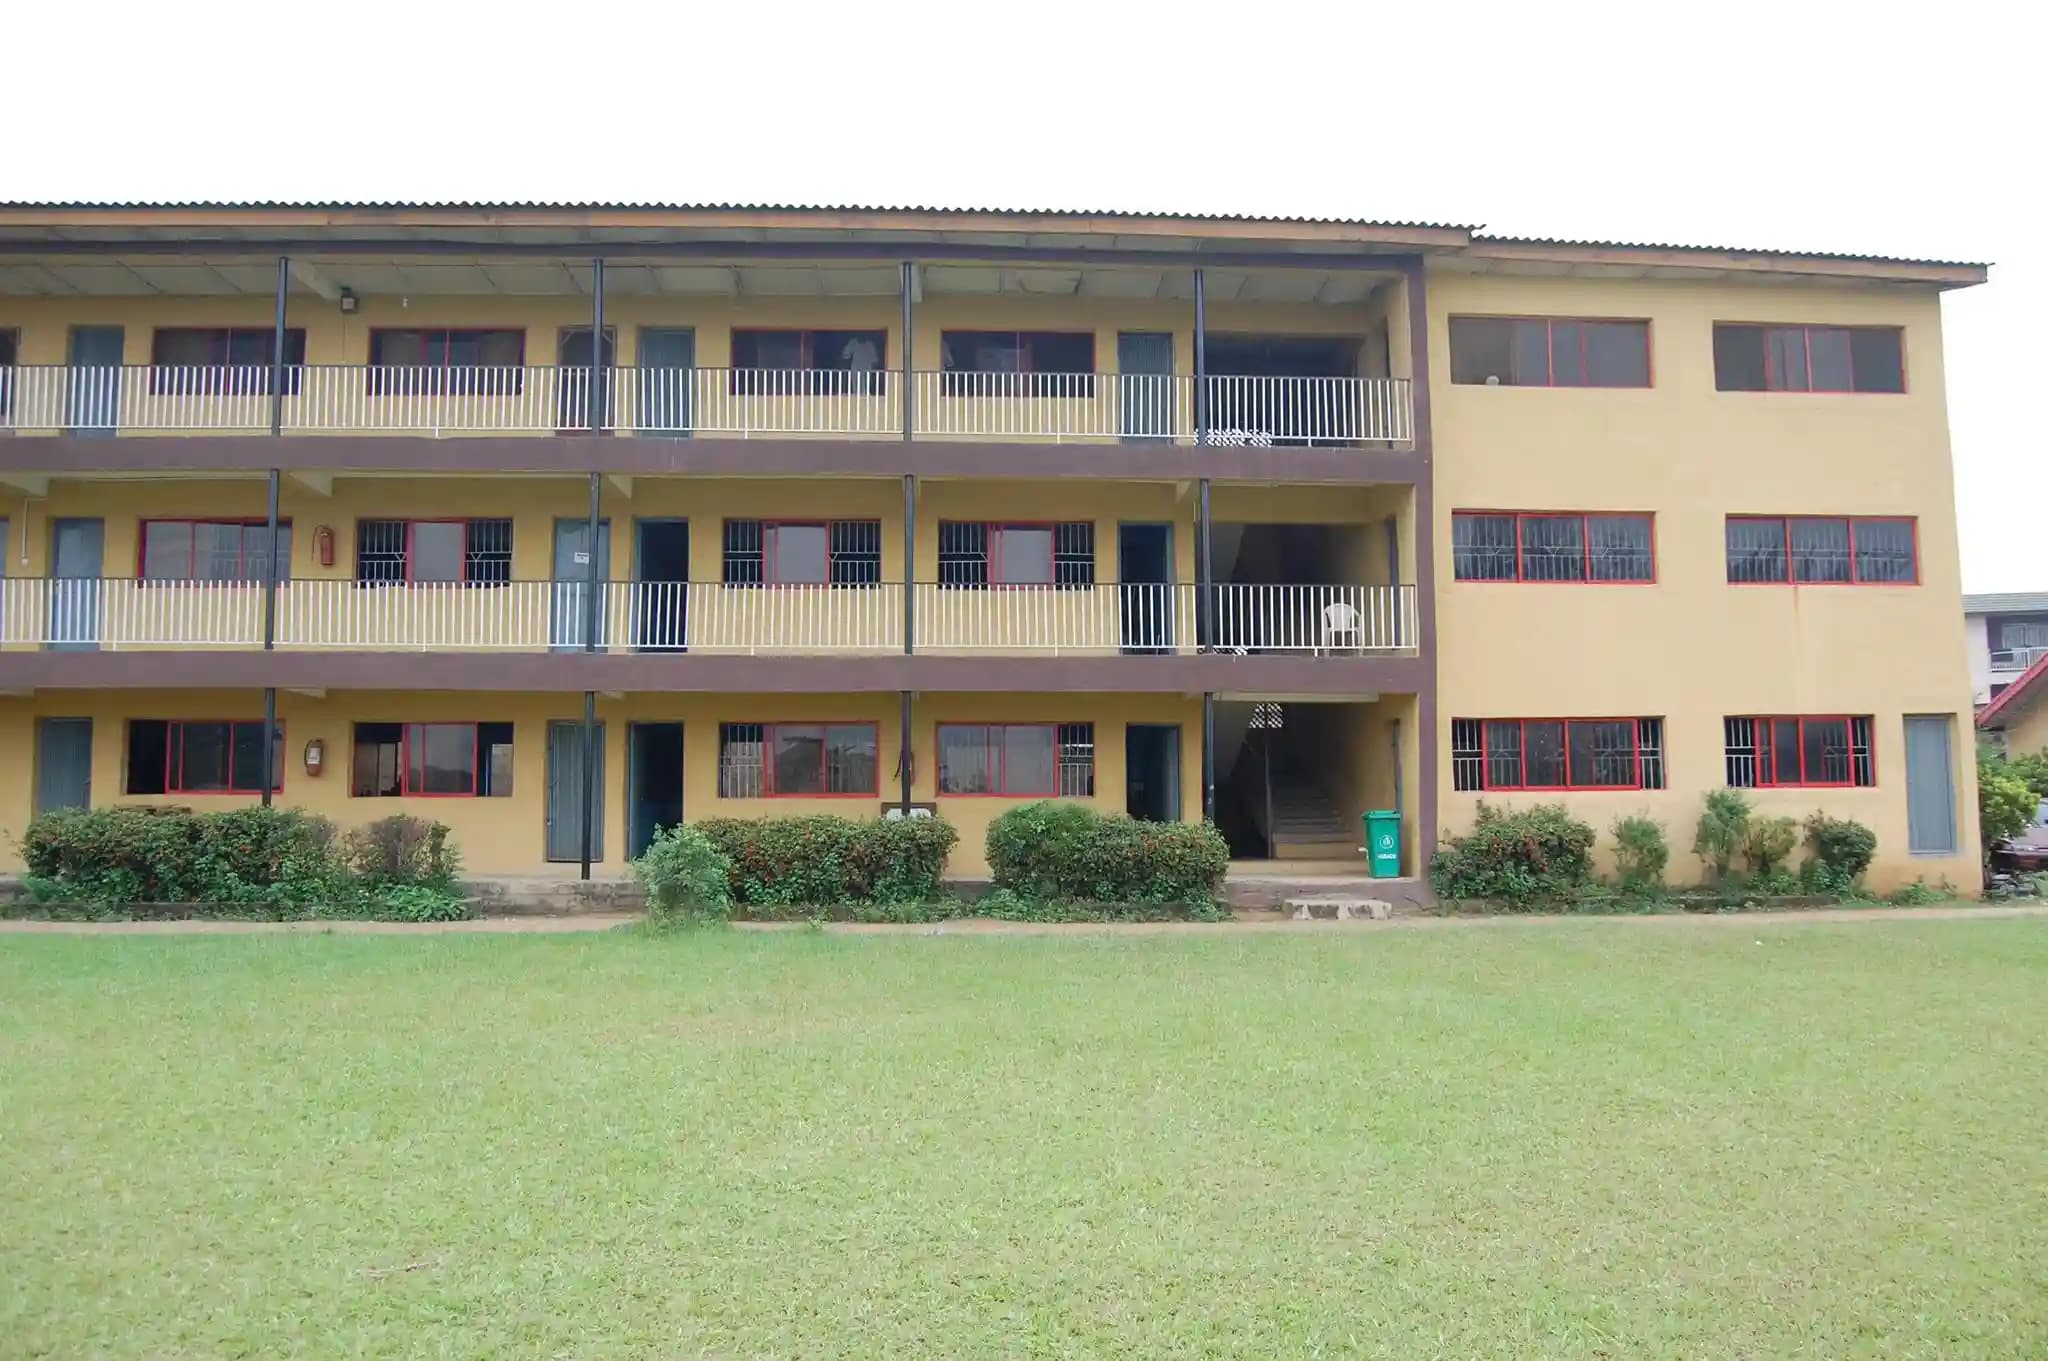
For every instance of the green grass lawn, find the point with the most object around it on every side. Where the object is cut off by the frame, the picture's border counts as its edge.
(1590, 1139)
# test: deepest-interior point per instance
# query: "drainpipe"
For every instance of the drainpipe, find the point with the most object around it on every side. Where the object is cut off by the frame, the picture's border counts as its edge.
(1209, 757)
(592, 580)
(903, 752)
(270, 528)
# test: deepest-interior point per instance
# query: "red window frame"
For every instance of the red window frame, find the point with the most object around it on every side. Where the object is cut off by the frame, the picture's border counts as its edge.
(1766, 750)
(996, 755)
(447, 336)
(411, 526)
(1027, 359)
(1550, 350)
(1785, 527)
(1521, 576)
(807, 343)
(174, 736)
(192, 523)
(1806, 330)
(997, 528)
(405, 736)
(768, 736)
(1486, 783)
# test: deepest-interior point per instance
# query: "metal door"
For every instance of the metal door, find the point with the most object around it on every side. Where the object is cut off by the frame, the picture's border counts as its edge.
(63, 764)
(1144, 361)
(1930, 786)
(76, 550)
(572, 582)
(667, 368)
(92, 384)
(565, 793)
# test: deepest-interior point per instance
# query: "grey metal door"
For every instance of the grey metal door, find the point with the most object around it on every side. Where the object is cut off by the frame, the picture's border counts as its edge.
(668, 362)
(1930, 785)
(572, 581)
(1144, 361)
(572, 413)
(63, 764)
(92, 385)
(76, 551)
(565, 793)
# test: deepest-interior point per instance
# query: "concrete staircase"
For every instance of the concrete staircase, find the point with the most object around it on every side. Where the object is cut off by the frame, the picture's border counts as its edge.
(1307, 824)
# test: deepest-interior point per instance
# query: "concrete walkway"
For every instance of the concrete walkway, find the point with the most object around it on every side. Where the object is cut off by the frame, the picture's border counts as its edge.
(1260, 922)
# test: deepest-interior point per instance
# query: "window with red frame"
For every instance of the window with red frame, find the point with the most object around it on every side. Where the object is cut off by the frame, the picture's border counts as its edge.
(976, 554)
(1017, 363)
(221, 359)
(1550, 352)
(798, 760)
(394, 552)
(1825, 751)
(432, 760)
(212, 550)
(477, 363)
(200, 756)
(790, 553)
(1808, 358)
(1017, 760)
(1557, 753)
(1823, 550)
(802, 363)
(1548, 546)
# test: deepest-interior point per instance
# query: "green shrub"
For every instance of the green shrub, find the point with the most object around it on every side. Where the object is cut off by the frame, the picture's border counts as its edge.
(821, 860)
(1840, 850)
(2031, 768)
(402, 850)
(1640, 854)
(391, 902)
(1723, 825)
(253, 861)
(1049, 852)
(686, 878)
(1536, 856)
(1767, 843)
(2005, 803)
(1916, 893)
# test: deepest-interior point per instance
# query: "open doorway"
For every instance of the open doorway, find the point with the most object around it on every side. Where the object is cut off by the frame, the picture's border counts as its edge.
(654, 782)
(661, 585)
(1144, 571)
(1293, 777)
(1282, 413)
(1152, 771)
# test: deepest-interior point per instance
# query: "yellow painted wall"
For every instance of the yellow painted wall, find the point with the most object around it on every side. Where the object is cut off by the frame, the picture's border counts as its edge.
(505, 835)
(1692, 648)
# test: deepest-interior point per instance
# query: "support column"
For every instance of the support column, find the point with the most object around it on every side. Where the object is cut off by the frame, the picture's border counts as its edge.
(909, 318)
(1209, 757)
(594, 579)
(1205, 600)
(1423, 536)
(270, 564)
(903, 768)
(909, 562)
(1201, 360)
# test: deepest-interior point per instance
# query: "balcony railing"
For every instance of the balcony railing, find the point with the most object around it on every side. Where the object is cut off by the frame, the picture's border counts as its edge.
(123, 614)
(539, 399)
(2017, 658)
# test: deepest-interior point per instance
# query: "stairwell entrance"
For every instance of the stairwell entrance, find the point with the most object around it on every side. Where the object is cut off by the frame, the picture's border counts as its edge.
(1294, 777)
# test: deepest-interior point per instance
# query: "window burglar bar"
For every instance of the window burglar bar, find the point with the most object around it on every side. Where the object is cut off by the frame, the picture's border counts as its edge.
(1829, 750)
(1578, 753)
(741, 761)
(1077, 760)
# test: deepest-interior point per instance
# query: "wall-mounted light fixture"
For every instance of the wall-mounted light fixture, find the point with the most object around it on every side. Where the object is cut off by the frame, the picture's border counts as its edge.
(348, 300)
(316, 756)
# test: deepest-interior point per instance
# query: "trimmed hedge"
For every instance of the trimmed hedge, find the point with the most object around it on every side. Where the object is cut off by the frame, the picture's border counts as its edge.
(1540, 855)
(821, 860)
(270, 863)
(1060, 852)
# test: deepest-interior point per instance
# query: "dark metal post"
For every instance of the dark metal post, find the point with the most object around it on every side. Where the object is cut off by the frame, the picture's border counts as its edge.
(1208, 757)
(903, 754)
(909, 562)
(909, 315)
(589, 774)
(1272, 830)
(597, 367)
(591, 582)
(270, 564)
(1205, 605)
(1201, 360)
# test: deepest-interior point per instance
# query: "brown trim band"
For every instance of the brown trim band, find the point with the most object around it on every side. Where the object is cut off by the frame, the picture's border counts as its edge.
(701, 673)
(634, 456)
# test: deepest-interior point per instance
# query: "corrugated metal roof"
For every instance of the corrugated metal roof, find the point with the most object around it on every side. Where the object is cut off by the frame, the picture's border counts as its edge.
(529, 205)
(2007, 602)
(1773, 252)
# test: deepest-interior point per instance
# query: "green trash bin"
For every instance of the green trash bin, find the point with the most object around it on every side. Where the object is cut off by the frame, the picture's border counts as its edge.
(1383, 842)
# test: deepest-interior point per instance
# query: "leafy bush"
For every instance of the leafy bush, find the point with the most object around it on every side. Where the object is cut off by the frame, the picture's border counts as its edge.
(1640, 854)
(1723, 825)
(2032, 768)
(1767, 843)
(252, 861)
(390, 902)
(1841, 850)
(2005, 803)
(686, 878)
(1049, 852)
(1915, 894)
(822, 860)
(1535, 856)
(402, 849)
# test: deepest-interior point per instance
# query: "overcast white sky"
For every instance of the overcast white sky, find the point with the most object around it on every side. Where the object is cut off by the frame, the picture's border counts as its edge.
(1865, 128)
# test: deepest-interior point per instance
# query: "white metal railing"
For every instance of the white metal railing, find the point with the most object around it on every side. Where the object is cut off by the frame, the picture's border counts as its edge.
(533, 616)
(1336, 620)
(2017, 658)
(539, 398)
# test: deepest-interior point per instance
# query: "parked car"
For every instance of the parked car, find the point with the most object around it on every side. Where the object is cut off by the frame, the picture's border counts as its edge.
(2029, 849)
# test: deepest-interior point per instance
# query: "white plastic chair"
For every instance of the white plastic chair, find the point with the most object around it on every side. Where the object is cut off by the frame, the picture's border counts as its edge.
(1341, 618)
